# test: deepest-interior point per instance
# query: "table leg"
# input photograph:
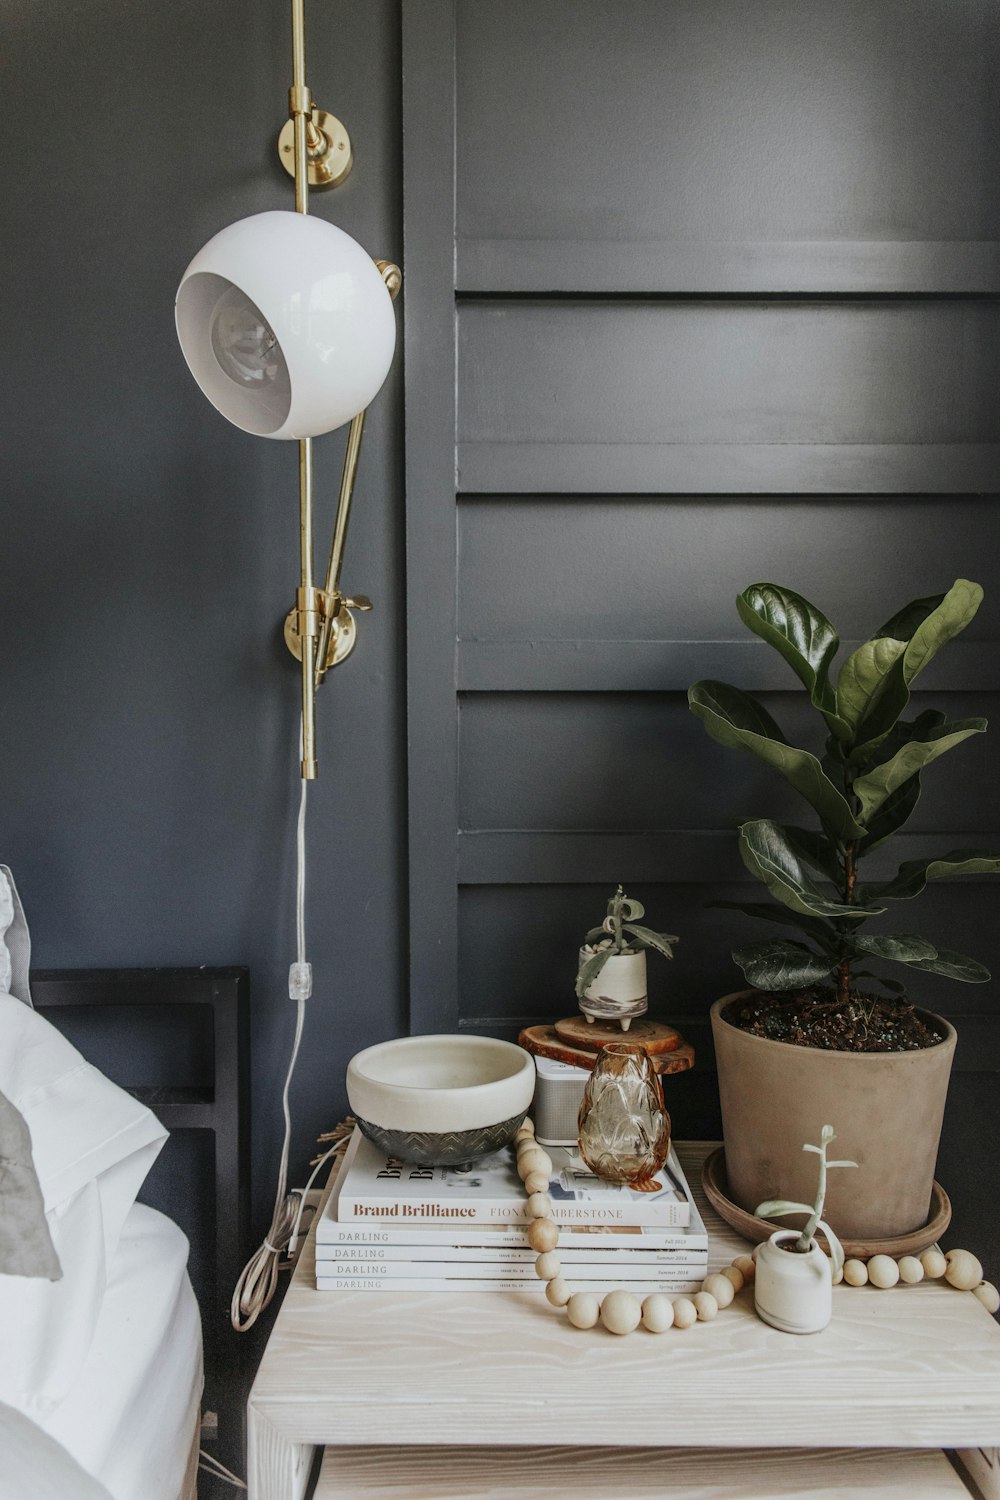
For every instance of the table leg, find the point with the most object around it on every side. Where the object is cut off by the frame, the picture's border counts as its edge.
(277, 1468)
(983, 1464)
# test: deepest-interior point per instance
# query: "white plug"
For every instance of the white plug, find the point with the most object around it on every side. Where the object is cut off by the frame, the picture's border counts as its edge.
(300, 981)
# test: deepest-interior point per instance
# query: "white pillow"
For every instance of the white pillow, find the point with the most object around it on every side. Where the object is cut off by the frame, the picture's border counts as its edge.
(15, 942)
(92, 1146)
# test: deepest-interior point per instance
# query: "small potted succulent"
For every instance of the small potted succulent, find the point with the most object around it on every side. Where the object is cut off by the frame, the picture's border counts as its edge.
(611, 977)
(793, 1280)
(812, 1038)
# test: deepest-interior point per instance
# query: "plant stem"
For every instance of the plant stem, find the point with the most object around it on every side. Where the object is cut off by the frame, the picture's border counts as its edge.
(850, 881)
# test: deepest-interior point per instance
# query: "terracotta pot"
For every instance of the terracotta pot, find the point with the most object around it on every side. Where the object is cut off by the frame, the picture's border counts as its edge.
(886, 1108)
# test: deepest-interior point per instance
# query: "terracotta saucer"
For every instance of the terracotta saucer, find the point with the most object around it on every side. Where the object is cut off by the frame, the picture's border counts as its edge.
(713, 1180)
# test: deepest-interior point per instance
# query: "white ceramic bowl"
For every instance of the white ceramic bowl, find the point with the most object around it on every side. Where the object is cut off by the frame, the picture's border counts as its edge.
(441, 1100)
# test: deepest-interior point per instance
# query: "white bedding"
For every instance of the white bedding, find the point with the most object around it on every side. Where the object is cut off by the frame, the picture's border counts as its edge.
(131, 1417)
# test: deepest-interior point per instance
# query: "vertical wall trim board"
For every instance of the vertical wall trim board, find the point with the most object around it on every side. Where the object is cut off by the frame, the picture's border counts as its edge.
(429, 321)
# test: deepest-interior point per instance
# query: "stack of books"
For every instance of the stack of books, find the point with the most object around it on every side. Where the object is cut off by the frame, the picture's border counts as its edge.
(392, 1226)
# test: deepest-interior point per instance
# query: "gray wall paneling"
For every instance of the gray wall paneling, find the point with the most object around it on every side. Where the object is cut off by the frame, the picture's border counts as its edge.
(150, 550)
(431, 551)
(715, 300)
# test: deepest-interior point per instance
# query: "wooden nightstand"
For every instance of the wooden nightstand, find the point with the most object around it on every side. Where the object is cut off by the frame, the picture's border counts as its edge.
(425, 1395)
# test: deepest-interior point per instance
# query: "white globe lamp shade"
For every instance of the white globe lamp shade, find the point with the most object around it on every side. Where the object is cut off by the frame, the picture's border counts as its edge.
(286, 325)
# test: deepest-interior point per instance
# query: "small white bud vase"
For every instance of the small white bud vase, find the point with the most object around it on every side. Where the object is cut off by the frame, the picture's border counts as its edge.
(793, 1291)
(619, 991)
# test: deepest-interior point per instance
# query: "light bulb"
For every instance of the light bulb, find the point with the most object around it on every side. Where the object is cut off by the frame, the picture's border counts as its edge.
(242, 342)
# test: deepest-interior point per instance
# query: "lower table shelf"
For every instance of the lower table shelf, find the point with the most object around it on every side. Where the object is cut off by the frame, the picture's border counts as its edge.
(452, 1473)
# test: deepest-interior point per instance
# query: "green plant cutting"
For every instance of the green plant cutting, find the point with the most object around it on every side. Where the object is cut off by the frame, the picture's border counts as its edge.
(862, 784)
(620, 932)
(776, 1208)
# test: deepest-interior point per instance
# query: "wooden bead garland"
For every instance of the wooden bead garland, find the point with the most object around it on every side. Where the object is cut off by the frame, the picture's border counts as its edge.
(620, 1312)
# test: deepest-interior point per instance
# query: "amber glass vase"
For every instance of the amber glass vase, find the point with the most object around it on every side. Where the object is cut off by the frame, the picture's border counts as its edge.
(624, 1127)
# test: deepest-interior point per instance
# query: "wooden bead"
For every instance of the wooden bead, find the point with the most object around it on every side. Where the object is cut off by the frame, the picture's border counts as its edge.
(705, 1305)
(910, 1270)
(934, 1264)
(584, 1309)
(621, 1312)
(837, 1276)
(536, 1182)
(539, 1206)
(543, 1234)
(719, 1287)
(855, 1272)
(964, 1271)
(548, 1265)
(558, 1292)
(747, 1265)
(525, 1132)
(657, 1313)
(685, 1313)
(532, 1161)
(988, 1296)
(883, 1271)
(735, 1275)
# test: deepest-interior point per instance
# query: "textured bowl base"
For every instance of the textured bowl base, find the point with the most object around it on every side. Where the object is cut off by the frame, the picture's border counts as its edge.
(452, 1148)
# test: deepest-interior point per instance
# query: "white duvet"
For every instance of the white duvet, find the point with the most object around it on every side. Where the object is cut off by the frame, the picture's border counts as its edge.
(132, 1415)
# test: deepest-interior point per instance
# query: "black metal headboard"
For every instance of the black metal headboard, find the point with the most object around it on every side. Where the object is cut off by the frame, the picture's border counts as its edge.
(178, 1039)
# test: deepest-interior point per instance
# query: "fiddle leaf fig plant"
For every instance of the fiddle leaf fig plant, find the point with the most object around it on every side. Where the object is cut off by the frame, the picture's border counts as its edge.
(862, 784)
(776, 1208)
(620, 932)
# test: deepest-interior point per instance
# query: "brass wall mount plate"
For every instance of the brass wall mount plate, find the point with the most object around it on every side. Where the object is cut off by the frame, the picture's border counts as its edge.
(324, 171)
(343, 636)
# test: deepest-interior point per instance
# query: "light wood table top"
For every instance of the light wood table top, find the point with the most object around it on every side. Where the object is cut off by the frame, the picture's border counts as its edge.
(915, 1367)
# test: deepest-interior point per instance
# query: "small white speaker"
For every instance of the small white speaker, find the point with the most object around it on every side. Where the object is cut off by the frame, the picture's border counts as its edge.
(558, 1094)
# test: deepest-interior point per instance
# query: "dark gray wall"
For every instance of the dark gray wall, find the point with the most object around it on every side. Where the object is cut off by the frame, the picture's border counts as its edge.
(716, 303)
(148, 762)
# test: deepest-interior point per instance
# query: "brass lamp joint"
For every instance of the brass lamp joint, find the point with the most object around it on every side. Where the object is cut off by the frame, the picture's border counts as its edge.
(310, 607)
(300, 100)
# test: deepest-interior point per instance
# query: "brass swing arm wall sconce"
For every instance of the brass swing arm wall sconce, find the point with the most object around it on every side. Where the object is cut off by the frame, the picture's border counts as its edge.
(287, 325)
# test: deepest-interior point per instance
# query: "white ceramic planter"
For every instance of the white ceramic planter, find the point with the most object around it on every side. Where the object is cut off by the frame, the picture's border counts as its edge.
(793, 1292)
(619, 991)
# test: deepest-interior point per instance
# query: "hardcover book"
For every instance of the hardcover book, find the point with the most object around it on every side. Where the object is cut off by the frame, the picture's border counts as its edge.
(530, 1286)
(376, 1190)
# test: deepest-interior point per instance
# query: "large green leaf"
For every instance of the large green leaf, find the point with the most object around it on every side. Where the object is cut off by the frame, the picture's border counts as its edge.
(804, 637)
(893, 813)
(926, 625)
(903, 948)
(948, 619)
(768, 855)
(659, 941)
(816, 850)
(954, 966)
(913, 875)
(781, 965)
(877, 785)
(818, 928)
(863, 678)
(739, 721)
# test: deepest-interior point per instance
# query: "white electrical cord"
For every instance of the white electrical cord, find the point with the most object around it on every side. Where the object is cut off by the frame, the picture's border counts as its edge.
(210, 1465)
(258, 1280)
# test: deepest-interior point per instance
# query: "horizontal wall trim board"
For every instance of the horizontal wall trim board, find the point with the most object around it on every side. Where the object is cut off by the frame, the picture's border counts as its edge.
(820, 266)
(728, 468)
(590, 666)
(684, 857)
